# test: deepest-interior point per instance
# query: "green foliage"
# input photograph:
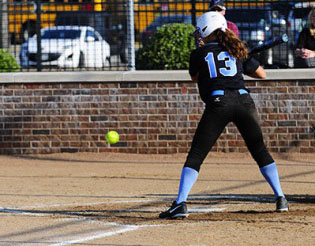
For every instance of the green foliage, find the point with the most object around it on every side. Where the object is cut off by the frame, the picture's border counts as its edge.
(168, 49)
(8, 62)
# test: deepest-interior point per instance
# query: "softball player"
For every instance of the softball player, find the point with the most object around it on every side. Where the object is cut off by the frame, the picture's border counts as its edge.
(218, 67)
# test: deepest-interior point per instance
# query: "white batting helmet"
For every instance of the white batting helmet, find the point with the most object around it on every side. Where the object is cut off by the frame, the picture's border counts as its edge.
(209, 22)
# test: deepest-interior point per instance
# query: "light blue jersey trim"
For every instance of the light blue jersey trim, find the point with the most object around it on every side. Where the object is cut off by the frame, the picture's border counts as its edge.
(221, 92)
(242, 91)
(217, 93)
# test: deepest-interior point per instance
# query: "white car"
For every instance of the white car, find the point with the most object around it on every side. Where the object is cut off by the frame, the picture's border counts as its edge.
(67, 46)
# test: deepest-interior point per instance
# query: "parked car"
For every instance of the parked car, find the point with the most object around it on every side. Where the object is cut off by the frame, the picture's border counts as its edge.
(257, 25)
(297, 18)
(162, 20)
(295, 14)
(113, 28)
(67, 46)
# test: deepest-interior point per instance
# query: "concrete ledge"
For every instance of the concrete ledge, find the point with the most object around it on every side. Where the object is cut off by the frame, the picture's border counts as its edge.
(121, 76)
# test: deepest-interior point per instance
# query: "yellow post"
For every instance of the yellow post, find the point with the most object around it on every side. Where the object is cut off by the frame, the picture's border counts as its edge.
(98, 5)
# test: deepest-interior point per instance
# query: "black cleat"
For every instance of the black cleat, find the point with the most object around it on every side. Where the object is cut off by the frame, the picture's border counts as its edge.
(282, 204)
(175, 211)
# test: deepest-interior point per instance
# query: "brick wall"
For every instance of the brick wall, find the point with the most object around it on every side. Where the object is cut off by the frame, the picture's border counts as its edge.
(151, 117)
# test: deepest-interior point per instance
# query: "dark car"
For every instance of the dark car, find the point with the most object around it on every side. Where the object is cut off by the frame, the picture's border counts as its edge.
(257, 25)
(162, 20)
(297, 19)
(296, 14)
(112, 28)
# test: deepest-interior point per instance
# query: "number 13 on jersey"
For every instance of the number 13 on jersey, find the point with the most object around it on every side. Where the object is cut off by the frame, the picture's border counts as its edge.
(229, 69)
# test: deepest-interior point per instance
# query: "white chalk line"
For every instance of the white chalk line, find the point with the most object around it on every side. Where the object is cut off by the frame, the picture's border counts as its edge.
(21, 212)
(126, 228)
(205, 210)
(79, 204)
(121, 228)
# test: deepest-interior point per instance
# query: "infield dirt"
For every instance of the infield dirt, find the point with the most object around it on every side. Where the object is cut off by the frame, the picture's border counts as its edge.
(230, 204)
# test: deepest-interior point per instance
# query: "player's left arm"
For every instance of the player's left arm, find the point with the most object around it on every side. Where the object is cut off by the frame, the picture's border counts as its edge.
(252, 68)
(259, 73)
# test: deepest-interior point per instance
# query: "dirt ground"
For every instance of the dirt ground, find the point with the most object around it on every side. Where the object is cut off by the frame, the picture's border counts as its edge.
(115, 199)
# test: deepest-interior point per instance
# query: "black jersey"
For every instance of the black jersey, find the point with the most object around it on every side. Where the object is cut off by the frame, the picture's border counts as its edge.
(218, 70)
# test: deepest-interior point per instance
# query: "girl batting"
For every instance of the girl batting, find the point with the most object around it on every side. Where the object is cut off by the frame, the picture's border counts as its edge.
(218, 67)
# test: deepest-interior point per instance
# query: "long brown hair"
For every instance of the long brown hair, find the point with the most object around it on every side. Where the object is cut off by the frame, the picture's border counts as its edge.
(231, 42)
(310, 22)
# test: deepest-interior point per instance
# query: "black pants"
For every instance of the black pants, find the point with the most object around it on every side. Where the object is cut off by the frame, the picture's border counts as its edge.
(230, 107)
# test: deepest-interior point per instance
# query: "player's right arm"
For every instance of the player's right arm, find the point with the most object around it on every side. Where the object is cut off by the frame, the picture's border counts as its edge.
(194, 78)
(194, 67)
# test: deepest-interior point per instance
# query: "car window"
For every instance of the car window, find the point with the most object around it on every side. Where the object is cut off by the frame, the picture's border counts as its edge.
(298, 19)
(98, 36)
(245, 15)
(300, 13)
(161, 20)
(90, 33)
(171, 19)
(63, 19)
(61, 34)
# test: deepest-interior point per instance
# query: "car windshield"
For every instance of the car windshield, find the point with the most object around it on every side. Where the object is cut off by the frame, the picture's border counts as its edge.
(61, 34)
(161, 20)
(300, 13)
(246, 15)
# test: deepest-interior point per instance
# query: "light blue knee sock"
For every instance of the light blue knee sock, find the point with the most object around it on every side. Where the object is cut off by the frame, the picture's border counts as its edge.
(187, 180)
(270, 172)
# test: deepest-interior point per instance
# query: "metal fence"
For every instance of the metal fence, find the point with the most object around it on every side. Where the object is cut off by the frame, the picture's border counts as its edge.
(67, 35)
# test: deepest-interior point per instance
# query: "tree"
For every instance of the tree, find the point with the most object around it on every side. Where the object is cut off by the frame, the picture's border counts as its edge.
(168, 49)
